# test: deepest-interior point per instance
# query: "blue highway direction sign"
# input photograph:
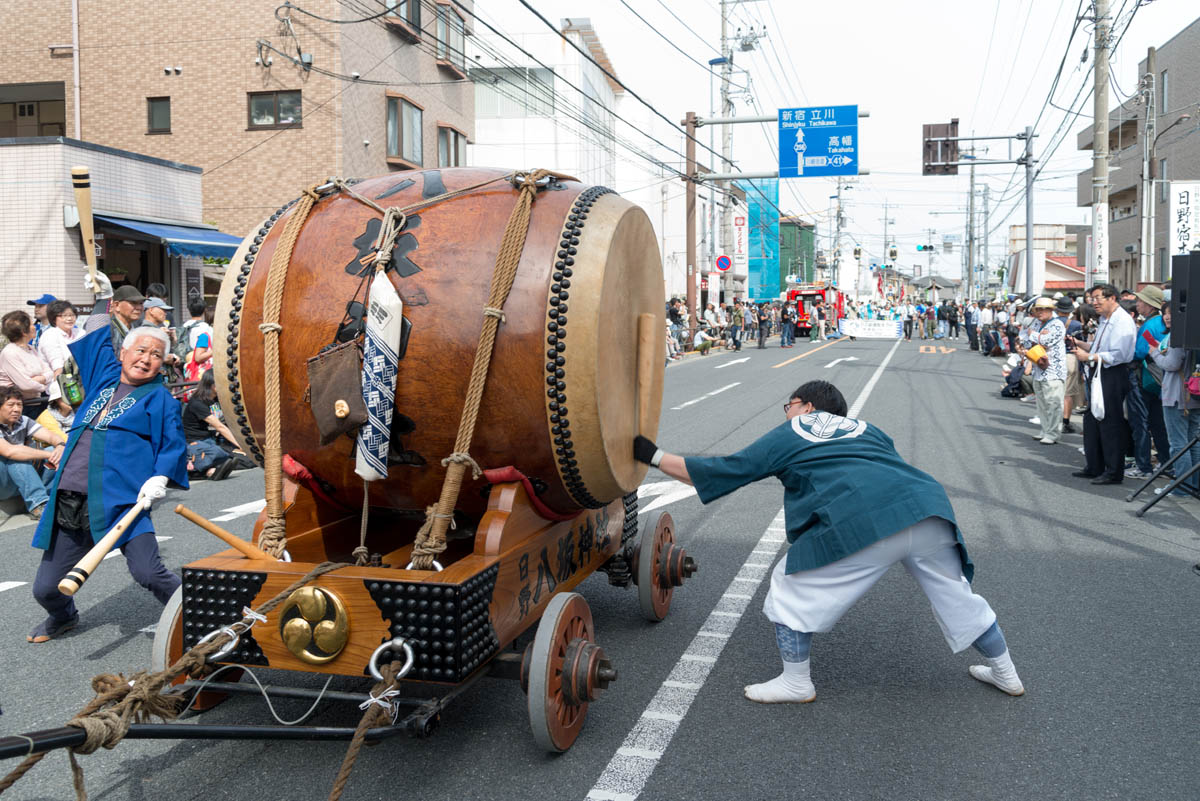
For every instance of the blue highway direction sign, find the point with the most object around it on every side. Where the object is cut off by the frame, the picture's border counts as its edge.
(818, 141)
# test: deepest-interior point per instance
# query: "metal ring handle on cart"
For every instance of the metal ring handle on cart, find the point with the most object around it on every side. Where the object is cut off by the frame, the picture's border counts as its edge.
(437, 566)
(225, 649)
(397, 642)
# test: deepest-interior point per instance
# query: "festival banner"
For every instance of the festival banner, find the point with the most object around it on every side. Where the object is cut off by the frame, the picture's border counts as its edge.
(871, 329)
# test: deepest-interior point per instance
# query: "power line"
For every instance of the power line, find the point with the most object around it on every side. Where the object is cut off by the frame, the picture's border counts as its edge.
(664, 37)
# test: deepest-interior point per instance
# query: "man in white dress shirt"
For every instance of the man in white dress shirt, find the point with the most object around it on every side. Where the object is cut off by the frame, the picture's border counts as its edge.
(1108, 354)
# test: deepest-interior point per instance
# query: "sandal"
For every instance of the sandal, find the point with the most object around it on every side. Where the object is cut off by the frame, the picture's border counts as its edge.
(49, 628)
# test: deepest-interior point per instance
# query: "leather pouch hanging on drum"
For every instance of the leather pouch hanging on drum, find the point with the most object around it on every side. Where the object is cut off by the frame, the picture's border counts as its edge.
(335, 390)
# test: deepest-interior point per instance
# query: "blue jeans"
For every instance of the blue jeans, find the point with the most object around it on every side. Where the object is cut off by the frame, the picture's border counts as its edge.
(22, 478)
(1182, 429)
(787, 334)
(1144, 412)
(205, 453)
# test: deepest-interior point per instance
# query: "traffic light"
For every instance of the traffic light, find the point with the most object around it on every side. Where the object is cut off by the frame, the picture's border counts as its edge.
(857, 252)
(925, 247)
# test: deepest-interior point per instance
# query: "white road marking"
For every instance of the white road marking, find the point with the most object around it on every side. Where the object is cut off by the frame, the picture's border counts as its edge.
(667, 492)
(117, 552)
(843, 359)
(626, 774)
(241, 510)
(735, 361)
(861, 400)
(685, 404)
(11, 585)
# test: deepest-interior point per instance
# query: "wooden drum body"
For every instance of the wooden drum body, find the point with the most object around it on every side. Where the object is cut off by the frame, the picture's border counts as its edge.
(561, 402)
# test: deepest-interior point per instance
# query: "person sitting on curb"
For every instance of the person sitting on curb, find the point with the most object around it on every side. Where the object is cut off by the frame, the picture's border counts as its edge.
(19, 474)
(853, 509)
(704, 341)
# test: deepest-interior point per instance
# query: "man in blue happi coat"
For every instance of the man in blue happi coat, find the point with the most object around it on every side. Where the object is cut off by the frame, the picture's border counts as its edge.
(126, 443)
(853, 508)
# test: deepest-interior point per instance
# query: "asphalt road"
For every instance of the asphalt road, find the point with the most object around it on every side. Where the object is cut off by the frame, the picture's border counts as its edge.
(1099, 608)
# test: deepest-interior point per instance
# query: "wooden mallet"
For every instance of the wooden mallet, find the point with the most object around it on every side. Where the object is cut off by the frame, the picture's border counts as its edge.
(81, 180)
(249, 550)
(84, 568)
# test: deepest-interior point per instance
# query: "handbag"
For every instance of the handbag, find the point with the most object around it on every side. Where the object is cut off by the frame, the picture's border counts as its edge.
(335, 390)
(1096, 395)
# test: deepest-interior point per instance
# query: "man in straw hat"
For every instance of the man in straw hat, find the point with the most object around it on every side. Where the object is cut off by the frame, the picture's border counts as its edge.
(1144, 401)
(1044, 344)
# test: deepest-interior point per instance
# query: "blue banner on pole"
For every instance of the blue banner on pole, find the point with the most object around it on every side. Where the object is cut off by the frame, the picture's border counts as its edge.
(762, 200)
(817, 141)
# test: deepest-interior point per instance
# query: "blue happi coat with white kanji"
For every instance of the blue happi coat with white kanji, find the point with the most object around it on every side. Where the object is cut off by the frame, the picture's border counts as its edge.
(845, 487)
(140, 437)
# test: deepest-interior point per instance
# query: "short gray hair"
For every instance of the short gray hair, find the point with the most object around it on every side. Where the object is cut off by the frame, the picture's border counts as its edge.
(147, 331)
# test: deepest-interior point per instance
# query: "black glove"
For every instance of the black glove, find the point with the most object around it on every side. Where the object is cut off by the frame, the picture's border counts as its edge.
(644, 450)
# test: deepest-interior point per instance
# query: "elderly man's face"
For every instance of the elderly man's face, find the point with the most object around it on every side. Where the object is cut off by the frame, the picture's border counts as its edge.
(10, 412)
(1043, 314)
(156, 315)
(128, 311)
(141, 361)
(1145, 309)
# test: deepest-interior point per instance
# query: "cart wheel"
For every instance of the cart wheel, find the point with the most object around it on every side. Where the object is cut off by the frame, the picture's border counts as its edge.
(566, 671)
(168, 647)
(659, 567)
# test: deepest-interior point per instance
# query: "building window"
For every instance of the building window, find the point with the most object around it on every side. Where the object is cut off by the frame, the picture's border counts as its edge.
(405, 18)
(452, 147)
(1163, 108)
(1162, 177)
(158, 113)
(451, 34)
(273, 110)
(504, 93)
(404, 130)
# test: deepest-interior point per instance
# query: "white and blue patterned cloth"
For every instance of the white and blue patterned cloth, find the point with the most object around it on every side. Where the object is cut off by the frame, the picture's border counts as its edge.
(381, 360)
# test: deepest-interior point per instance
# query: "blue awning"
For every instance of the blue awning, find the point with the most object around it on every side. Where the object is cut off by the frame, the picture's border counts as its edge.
(182, 240)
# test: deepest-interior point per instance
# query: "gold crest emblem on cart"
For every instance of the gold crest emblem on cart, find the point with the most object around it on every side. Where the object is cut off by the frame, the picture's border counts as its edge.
(314, 625)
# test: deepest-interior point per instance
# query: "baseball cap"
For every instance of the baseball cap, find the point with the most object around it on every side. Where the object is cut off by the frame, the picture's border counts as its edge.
(128, 293)
(156, 303)
(42, 301)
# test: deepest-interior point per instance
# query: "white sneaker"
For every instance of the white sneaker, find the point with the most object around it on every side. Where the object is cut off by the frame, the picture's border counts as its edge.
(1048, 441)
(792, 686)
(1037, 421)
(999, 673)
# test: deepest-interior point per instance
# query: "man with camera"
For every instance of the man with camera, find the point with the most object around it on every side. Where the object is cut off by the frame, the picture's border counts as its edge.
(1044, 345)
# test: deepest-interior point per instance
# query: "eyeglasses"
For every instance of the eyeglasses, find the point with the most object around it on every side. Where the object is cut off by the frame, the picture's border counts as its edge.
(787, 406)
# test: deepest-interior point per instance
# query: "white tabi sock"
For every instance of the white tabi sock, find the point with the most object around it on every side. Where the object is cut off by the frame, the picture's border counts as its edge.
(1000, 673)
(792, 686)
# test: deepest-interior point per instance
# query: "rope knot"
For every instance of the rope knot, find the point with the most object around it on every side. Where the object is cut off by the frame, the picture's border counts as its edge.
(361, 554)
(491, 311)
(268, 328)
(463, 459)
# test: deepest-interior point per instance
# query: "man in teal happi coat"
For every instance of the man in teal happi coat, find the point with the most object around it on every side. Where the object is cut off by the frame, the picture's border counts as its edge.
(853, 508)
(126, 443)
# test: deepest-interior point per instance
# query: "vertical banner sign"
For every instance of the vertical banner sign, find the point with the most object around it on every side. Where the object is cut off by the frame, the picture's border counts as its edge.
(1184, 233)
(741, 241)
(762, 200)
(1100, 242)
(818, 141)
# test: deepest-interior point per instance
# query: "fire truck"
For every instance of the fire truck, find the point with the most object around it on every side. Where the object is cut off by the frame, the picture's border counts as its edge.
(805, 297)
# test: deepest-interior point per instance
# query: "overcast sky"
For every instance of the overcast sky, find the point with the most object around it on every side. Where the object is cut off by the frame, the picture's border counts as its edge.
(908, 63)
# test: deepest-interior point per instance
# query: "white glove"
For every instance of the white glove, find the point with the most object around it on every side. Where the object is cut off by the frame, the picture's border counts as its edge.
(154, 489)
(102, 288)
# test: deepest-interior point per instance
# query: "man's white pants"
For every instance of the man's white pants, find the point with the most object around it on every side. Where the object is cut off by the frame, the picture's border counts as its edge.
(814, 600)
(1049, 395)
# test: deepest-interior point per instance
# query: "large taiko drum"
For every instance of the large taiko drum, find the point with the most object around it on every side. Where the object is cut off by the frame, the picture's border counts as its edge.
(561, 402)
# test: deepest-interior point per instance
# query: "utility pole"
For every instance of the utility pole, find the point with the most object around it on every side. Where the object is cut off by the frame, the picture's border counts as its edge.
(1029, 205)
(689, 125)
(969, 278)
(837, 238)
(929, 233)
(726, 130)
(1099, 147)
(987, 230)
(886, 243)
(1146, 260)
